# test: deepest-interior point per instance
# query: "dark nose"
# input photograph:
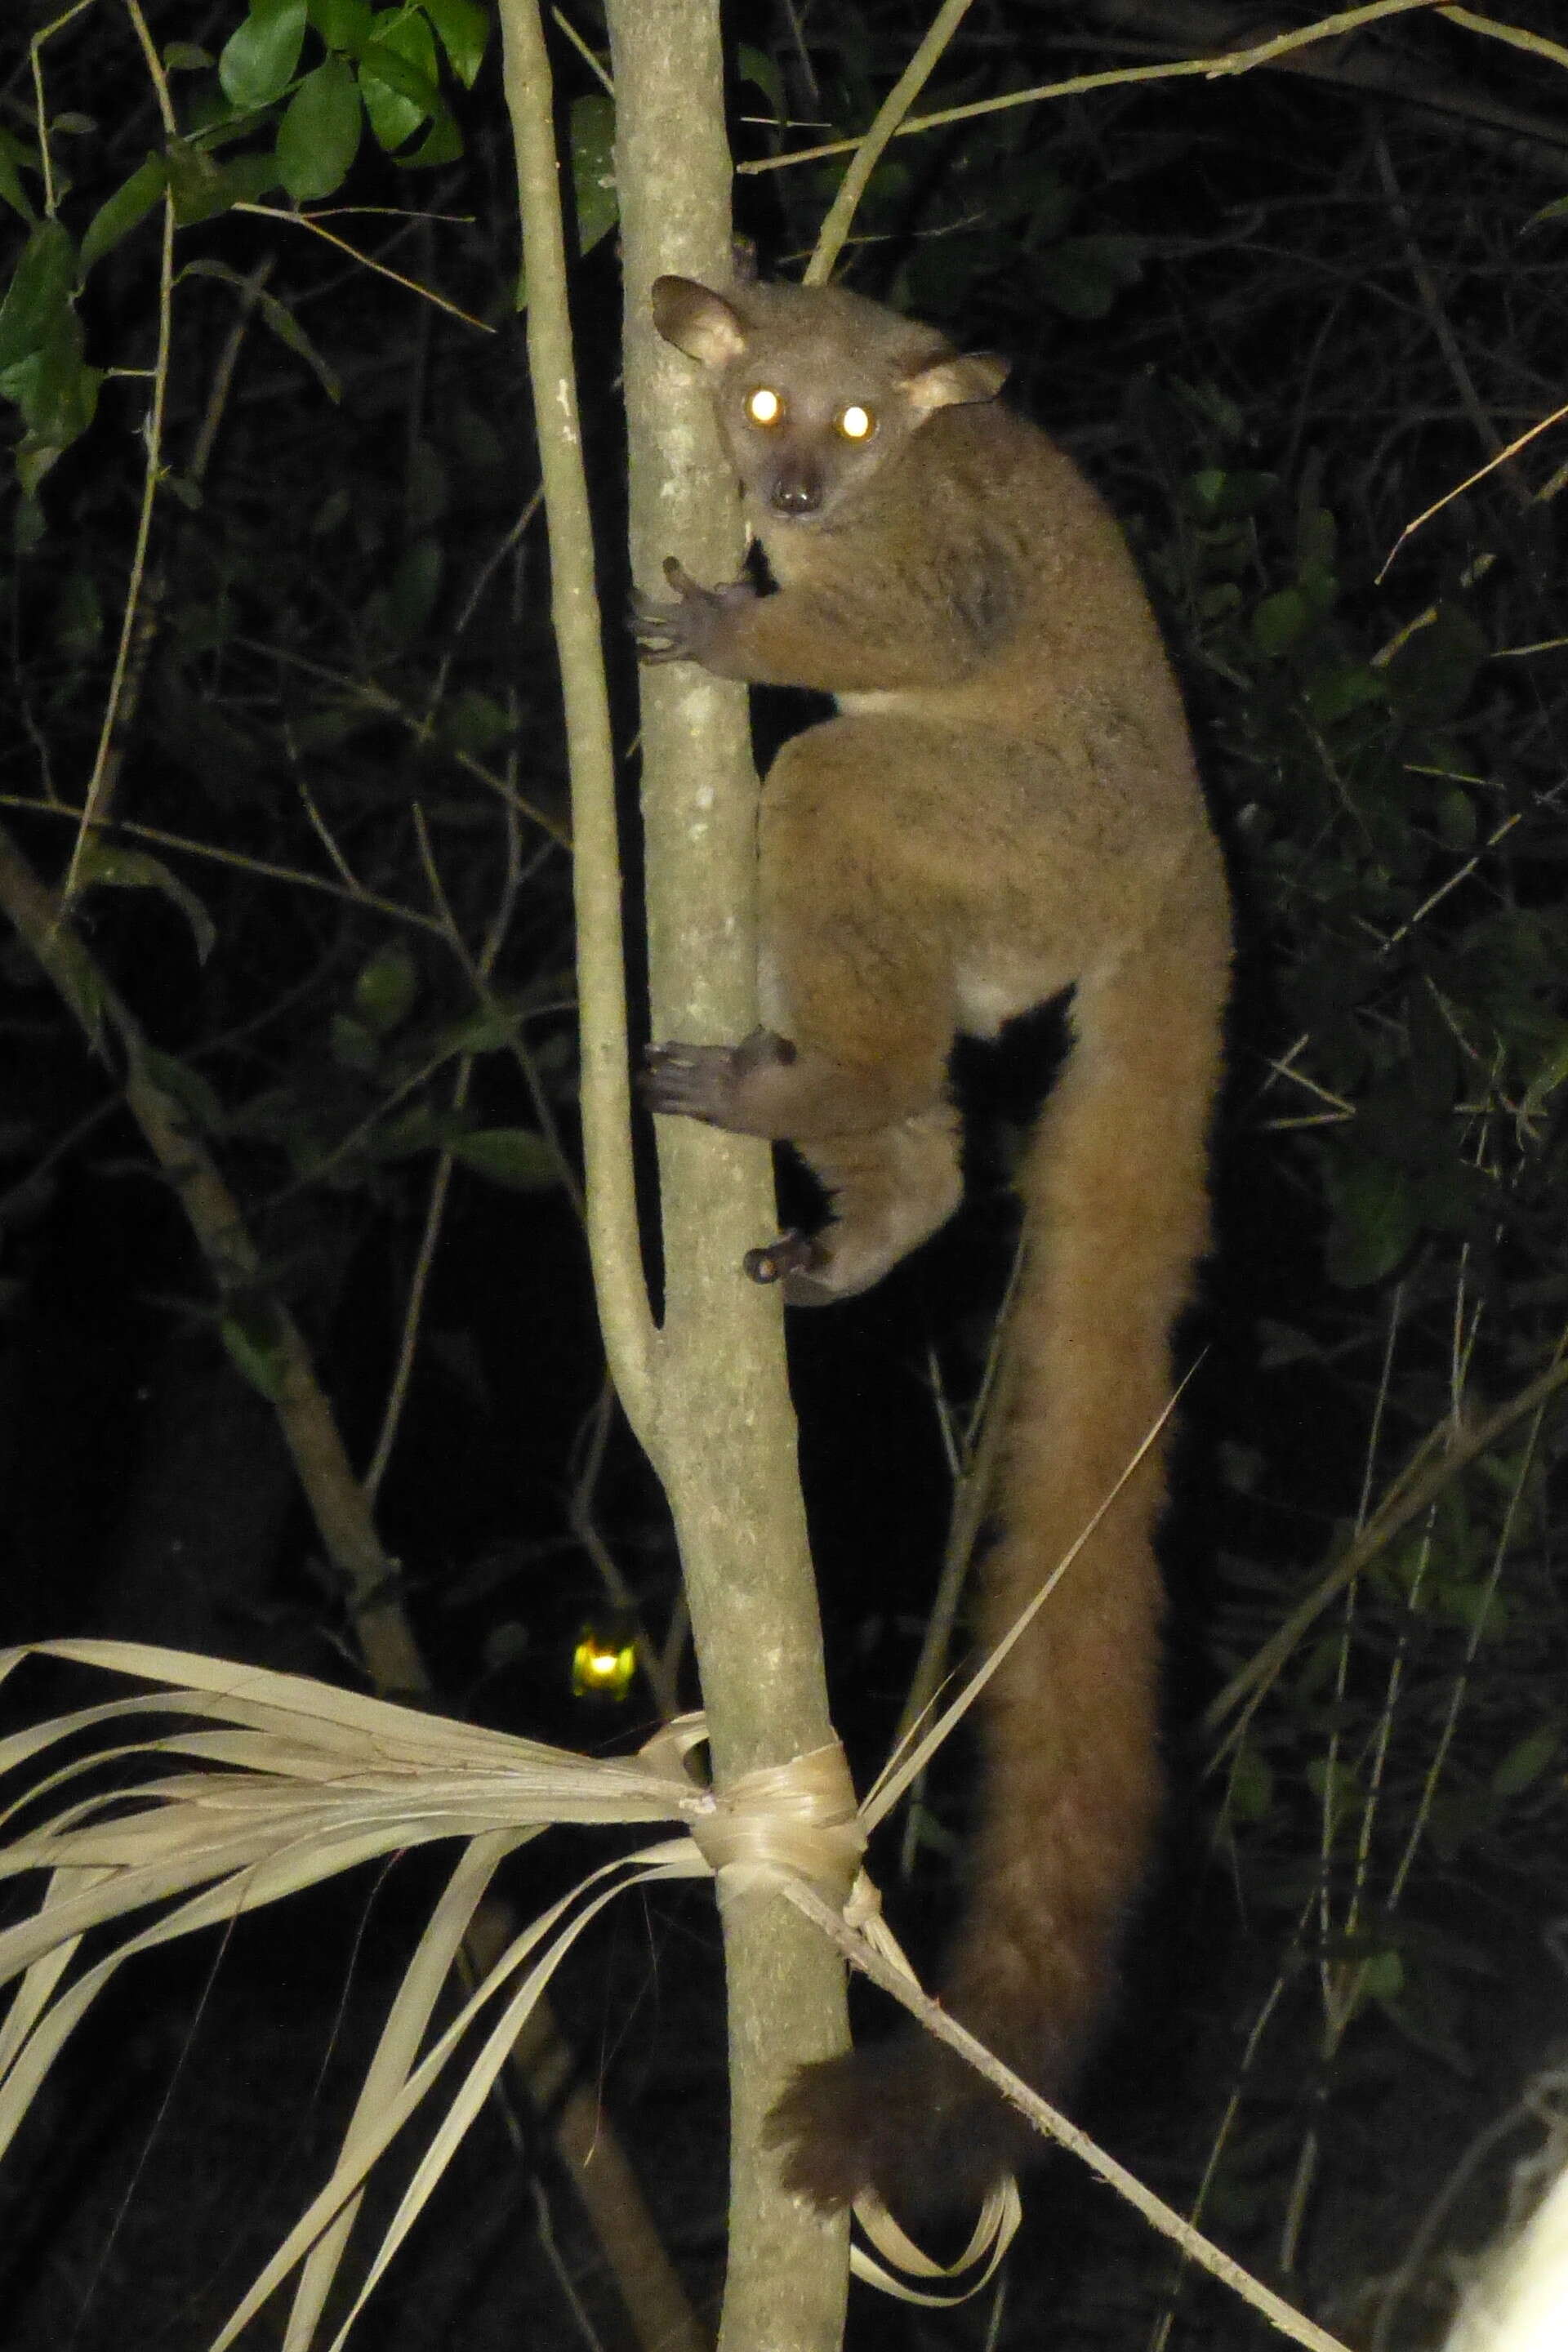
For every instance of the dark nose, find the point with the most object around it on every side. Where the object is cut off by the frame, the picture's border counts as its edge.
(797, 492)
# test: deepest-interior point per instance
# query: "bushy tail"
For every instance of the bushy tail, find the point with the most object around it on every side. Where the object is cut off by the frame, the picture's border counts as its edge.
(1115, 1196)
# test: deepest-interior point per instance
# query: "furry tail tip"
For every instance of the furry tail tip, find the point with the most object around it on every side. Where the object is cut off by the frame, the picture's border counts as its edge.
(909, 2118)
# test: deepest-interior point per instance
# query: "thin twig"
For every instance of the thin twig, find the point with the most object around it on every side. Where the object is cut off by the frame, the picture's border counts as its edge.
(889, 116)
(365, 260)
(1237, 62)
(267, 869)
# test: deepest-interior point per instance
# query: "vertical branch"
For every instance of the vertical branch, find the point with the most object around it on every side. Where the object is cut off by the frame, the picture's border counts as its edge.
(712, 1401)
(613, 1238)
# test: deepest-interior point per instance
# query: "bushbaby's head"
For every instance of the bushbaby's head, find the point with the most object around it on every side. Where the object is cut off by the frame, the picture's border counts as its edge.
(814, 388)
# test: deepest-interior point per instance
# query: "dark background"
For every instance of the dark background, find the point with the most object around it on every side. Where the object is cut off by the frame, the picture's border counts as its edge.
(1277, 318)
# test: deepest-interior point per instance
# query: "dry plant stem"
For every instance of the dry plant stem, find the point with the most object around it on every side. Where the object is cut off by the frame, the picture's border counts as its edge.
(889, 115)
(1047, 2120)
(1415, 1488)
(725, 1441)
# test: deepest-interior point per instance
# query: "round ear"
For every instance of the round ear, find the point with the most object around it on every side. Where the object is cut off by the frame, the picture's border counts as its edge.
(956, 381)
(698, 322)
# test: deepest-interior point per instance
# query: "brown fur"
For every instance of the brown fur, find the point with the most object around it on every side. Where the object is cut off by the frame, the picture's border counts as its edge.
(1005, 807)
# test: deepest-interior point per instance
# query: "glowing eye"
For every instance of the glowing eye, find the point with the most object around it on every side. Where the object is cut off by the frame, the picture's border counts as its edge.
(605, 1663)
(764, 406)
(857, 424)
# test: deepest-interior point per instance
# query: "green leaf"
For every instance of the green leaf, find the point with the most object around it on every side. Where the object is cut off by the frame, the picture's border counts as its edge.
(1430, 678)
(442, 143)
(186, 1088)
(319, 136)
(261, 60)
(1455, 814)
(255, 1344)
(427, 497)
(1548, 1078)
(40, 294)
(399, 76)
(16, 157)
(484, 1031)
(416, 1129)
(510, 1156)
(342, 23)
(30, 528)
(1218, 494)
(1250, 1794)
(475, 722)
(184, 57)
(1528, 1759)
(385, 988)
(75, 974)
(1335, 693)
(119, 214)
(1336, 1786)
(1317, 538)
(1377, 1219)
(757, 68)
(1083, 274)
(41, 363)
(202, 188)
(104, 864)
(1318, 584)
(78, 616)
(593, 135)
(474, 438)
(1280, 621)
(1477, 1606)
(246, 180)
(353, 1045)
(464, 28)
(1382, 1977)
(404, 607)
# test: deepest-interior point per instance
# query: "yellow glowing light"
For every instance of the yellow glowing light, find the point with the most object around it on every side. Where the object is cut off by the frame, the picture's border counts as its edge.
(857, 424)
(764, 406)
(602, 1665)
